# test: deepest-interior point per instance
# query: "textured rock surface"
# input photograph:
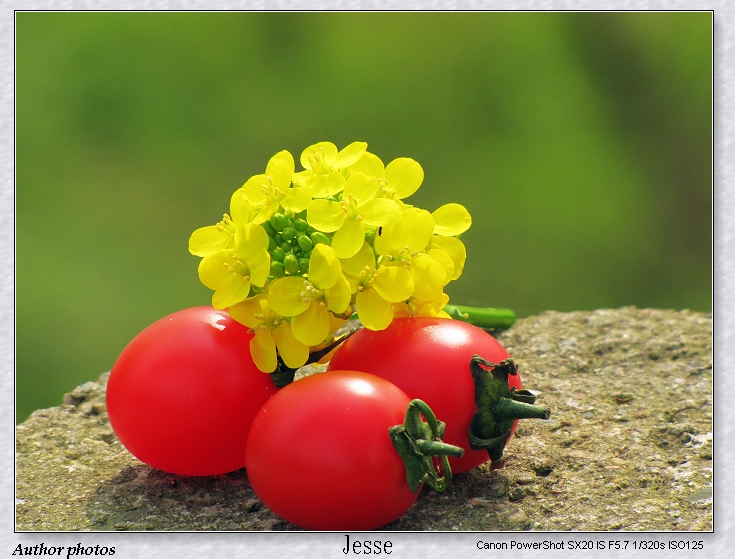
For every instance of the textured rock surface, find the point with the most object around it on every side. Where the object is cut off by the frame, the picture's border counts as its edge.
(628, 446)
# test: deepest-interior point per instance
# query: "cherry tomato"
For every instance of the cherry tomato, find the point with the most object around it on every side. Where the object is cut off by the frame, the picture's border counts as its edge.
(429, 358)
(319, 454)
(183, 393)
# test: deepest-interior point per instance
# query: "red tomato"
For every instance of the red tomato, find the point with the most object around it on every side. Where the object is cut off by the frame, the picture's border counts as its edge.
(429, 359)
(319, 455)
(182, 395)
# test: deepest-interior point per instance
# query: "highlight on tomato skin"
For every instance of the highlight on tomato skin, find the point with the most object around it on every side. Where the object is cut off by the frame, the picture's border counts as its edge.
(429, 358)
(319, 455)
(182, 395)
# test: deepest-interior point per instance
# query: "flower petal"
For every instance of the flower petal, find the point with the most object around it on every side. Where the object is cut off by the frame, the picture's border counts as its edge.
(263, 351)
(404, 175)
(234, 290)
(390, 239)
(282, 156)
(293, 352)
(208, 240)
(328, 149)
(365, 258)
(245, 311)
(451, 219)
(429, 277)
(380, 211)
(212, 268)
(445, 260)
(339, 296)
(455, 249)
(360, 186)
(348, 155)
(296, 199)
(280, 172)
(325, 215)
(253, 189)
(324, 266)
(259, 265)
(250, 238)
(240, 209)
(418, 227)
(348, 239)
(285, 296)
(311, 327)
(370, 164)
(375, 312)
(326, 185)
(393, 283)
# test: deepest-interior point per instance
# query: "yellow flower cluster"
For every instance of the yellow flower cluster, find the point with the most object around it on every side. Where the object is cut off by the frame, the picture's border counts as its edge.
(299, 252)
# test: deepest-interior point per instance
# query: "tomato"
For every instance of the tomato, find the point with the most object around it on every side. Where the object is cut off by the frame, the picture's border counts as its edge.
(319, 454)
(429, 358)
(183, 393)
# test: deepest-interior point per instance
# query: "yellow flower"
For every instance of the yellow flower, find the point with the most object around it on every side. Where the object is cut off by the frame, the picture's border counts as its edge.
(323, 165)
(273, 189)
(456, 251)
(405, 244)
(273, 335)
(403, 177)
(231, 272)
(309, 302)
(376, 288)
(417, 307)
(451, 219)
(346, 217)
(212, 238)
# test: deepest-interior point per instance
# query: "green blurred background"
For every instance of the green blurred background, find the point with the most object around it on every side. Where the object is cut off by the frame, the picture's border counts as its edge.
(580, 143)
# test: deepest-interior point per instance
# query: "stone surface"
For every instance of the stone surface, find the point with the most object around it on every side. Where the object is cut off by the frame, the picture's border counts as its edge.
(628, 446)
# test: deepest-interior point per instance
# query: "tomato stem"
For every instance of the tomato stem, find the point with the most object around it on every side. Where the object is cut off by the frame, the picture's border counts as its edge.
(488, 318)
(418, 442)
(498, 406)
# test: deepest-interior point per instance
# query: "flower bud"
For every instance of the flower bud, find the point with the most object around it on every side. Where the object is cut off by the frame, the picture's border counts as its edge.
(289, 233)
(277, 254)
(291, 264)
(300, 225)
(278, 270)
(305, 242)
(279, 221)
(319, 237)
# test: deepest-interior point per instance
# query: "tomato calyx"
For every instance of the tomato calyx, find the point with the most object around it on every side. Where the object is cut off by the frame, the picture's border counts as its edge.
(418, 443)
(498, 405)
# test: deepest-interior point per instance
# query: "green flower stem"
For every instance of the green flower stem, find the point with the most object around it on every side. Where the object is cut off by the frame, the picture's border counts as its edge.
(418, 443)
(488, 318)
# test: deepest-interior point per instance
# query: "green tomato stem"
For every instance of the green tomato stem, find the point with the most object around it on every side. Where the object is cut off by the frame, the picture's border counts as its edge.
(488, 318)
(418, 443)
(498, 406)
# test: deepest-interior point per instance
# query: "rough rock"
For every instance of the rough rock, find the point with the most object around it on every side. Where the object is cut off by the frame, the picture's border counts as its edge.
(628, 446)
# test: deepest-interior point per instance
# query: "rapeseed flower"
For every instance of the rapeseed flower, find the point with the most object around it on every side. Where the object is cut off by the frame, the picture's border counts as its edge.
(347, 217)
(272, 335)
(274, 189)
(323, 166)
(232, 272)
(376, 288)
(310, 302)
(212, 238)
